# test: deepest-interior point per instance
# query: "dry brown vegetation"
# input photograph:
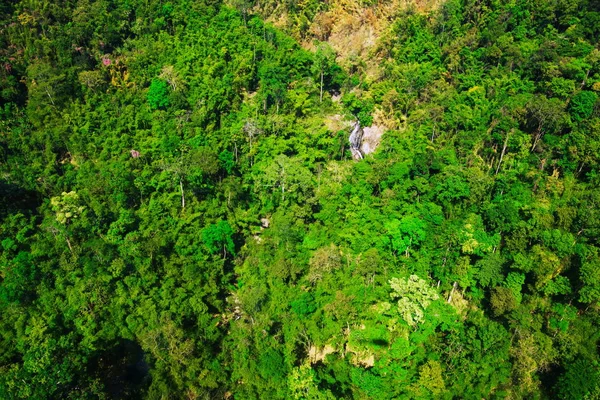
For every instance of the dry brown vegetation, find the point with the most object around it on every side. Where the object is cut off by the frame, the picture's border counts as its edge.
(353, 30)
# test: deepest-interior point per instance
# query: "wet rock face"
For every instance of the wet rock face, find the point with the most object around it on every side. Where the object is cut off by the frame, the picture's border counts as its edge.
(364, 140)
(355, 139)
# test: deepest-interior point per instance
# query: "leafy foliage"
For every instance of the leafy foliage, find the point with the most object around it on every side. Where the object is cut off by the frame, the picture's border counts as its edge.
(582, 105)
(181, 215)
(158, 94)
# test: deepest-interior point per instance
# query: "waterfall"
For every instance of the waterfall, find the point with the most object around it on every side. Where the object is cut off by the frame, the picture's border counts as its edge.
(355, 140)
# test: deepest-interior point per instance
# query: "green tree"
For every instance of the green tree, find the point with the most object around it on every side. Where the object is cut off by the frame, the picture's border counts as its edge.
(219, 238)
(273, 83)
(580, 380)
(582, 104)
(324, 61)
(502, 300)
(404, 233)
(158, 94)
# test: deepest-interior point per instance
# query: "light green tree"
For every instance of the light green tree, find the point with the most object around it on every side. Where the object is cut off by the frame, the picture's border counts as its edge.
(66, 206)
(302, 385)
(431, 379)
(324, 60)
(414, 296)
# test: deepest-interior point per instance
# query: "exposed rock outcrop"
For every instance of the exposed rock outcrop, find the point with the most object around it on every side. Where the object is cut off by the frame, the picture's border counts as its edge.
(371, 138)
(318, 355)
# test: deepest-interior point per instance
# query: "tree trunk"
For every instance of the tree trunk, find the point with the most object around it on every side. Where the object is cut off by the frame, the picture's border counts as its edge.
(69, 244)
(503, 152)
(452, 292)
(182, 195)
(321, 97)
(538, 136)
(50, 96)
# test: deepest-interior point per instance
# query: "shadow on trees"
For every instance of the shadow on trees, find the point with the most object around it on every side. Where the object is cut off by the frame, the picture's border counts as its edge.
(122, 369)
(14, 198)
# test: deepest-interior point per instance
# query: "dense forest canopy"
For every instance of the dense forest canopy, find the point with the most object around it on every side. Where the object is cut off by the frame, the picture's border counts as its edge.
(181, 214)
